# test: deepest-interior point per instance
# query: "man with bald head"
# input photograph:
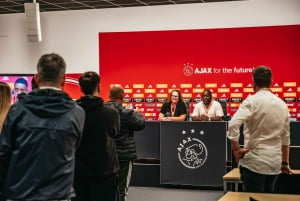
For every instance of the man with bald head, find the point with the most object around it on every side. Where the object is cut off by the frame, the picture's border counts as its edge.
(130, 121)
(208, 109)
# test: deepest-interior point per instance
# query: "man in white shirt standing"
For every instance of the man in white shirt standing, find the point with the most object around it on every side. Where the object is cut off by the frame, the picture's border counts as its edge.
(266, 135)
(208, 109)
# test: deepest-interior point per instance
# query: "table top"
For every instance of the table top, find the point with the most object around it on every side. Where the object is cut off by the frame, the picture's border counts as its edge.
(296, 171)
(234, 174)
(243, 196)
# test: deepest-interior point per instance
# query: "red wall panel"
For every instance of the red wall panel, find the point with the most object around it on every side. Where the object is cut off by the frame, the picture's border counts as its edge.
(192, 60)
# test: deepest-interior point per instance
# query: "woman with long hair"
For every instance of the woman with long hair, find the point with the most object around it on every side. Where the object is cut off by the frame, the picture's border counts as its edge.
(5, 102)
(174, 109)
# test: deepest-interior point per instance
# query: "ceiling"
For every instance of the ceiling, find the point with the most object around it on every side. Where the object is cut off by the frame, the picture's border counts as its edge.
(17, 6)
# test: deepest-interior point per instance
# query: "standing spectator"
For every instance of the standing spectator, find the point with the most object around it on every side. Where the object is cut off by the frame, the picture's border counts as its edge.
(5, 102)
(266, 135)
(39, 139)
(208, 109)
(174, 109)
(130, 121)
(96, 158)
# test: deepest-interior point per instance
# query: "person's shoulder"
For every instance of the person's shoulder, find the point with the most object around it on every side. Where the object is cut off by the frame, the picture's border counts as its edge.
(166, 103)
(114, 105)
(124, 112)
(109, 107)
(182, 103)
(253, 99)
(78, 109)
(198, 104)
(216, 102)
(110, 110)
(16, 107)
(279, 100)
(77, 106)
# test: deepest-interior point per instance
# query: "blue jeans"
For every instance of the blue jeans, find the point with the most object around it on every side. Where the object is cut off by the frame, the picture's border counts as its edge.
(255, 182)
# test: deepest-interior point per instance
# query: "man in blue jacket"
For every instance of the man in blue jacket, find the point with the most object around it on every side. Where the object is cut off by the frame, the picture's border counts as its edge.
(39, 139)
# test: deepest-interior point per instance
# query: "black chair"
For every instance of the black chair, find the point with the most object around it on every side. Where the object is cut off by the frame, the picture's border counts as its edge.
(224, 107)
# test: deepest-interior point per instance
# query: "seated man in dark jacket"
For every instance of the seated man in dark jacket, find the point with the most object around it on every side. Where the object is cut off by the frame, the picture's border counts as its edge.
(130, 121)
(39, 139)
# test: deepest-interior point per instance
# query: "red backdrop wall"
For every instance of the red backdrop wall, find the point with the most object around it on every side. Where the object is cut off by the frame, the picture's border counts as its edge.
(151, 63)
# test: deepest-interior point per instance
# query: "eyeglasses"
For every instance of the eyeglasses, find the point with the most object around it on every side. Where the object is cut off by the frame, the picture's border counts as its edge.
(174, 96)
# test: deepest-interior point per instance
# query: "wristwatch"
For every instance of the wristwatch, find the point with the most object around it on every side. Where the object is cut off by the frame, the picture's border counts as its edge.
(284, 163)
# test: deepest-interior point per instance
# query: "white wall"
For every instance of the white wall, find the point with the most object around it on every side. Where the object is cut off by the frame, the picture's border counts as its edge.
(74, 34)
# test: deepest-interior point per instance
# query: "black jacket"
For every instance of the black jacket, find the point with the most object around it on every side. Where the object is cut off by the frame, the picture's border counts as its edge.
(37, 146)
(96, 157)
(130, 121)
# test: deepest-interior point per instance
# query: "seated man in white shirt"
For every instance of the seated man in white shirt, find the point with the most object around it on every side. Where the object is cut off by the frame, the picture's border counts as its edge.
(208, 109)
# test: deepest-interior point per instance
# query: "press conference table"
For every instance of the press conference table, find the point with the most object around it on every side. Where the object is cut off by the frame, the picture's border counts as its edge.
(242, 196)
(163, 141)
(234, 176)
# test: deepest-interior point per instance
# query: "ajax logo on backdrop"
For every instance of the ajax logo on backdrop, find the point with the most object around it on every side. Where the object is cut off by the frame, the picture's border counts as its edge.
(192, 152)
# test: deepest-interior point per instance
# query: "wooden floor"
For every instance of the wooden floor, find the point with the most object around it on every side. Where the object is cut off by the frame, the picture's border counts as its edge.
(172, 194)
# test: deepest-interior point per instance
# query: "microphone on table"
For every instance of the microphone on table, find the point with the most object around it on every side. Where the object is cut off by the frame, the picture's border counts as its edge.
(168, 114)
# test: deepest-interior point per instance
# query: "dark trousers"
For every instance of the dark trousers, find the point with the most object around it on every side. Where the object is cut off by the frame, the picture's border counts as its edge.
(124, 178)
(96, 189)
(254, 182)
